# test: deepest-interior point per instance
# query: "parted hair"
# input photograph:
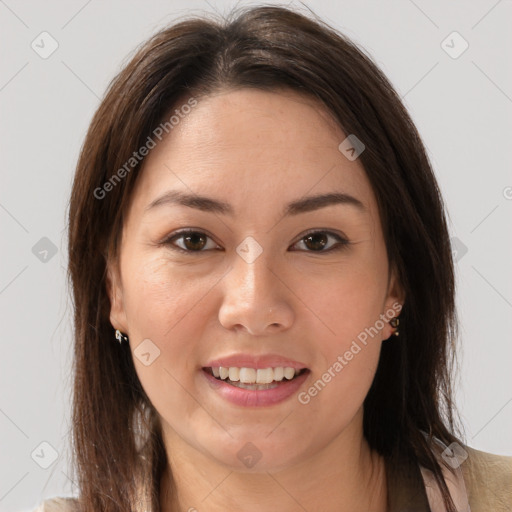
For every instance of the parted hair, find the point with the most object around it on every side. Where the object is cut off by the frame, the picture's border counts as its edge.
(116, 434)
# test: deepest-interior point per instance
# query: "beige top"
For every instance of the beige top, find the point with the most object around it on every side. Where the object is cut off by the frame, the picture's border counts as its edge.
(483, 485)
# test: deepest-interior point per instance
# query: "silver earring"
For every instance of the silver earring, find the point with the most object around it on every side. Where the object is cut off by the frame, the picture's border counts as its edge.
(120, 337)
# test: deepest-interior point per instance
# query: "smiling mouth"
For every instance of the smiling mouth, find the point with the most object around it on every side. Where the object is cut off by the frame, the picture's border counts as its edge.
(255, 379)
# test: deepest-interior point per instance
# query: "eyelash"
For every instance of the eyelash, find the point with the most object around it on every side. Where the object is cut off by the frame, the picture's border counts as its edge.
(342, 242)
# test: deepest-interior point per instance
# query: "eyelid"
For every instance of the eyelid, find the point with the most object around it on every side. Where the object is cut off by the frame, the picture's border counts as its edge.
(168, 240)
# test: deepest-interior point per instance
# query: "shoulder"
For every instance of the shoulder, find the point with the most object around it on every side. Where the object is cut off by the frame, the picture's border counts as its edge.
(58, 505)
(488, 480)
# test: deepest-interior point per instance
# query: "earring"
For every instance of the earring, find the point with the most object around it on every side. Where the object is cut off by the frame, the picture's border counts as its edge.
(120, 337)
(394, 322)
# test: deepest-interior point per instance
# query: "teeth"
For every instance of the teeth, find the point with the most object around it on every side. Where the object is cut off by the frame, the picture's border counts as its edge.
(278, 373)
(254, 376)
(289, 373)
(265, 376)
(234, 374)
(247, 375)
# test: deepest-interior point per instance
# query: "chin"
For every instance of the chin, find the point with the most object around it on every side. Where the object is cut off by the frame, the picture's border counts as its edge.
(257, 455)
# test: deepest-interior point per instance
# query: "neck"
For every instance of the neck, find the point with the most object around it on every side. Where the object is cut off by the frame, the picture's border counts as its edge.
(344, 476)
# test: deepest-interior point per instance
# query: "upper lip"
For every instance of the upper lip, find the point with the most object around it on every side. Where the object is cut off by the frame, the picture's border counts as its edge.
(254, 361)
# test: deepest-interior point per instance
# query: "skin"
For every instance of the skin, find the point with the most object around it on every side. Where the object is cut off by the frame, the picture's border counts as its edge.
(257, 151)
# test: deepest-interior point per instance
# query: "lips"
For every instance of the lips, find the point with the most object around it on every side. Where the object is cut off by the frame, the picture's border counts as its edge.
(255, 395)
(255, 380)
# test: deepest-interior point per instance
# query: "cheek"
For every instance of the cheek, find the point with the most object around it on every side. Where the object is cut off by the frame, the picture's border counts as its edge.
(348, 309)
(345, 301)
(160, 297)
(336, 394)
(162, 306)
(349, 357)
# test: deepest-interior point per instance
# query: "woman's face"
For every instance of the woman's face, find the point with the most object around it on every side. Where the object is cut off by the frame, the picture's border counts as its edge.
(253, 281)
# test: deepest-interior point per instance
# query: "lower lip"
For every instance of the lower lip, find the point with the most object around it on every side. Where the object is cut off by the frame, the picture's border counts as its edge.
(253, 397)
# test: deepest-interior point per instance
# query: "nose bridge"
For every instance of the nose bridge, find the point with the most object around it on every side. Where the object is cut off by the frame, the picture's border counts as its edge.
(253, 295)
(252, 269)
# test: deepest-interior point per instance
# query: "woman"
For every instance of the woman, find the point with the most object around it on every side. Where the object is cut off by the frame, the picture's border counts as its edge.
(263, 286)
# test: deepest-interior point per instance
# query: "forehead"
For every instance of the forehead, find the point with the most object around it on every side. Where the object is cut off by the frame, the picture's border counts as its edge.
(255, 147)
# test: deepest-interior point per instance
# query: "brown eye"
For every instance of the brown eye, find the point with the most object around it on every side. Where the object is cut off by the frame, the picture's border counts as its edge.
(316, 241)
(194, 241)
(190, 241)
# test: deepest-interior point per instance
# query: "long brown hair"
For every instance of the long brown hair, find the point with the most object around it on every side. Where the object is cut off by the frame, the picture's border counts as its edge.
(116, 432)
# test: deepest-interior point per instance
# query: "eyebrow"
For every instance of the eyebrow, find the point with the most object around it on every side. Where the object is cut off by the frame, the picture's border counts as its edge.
(208, 204)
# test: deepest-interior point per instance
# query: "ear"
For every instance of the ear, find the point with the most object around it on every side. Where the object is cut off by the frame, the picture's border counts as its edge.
(393, 304)
(115, 294)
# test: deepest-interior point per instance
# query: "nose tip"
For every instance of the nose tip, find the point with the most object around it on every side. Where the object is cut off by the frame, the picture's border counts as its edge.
(264, 324)
(255, 321)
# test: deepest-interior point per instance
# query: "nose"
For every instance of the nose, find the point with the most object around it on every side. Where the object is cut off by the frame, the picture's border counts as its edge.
(256, 298)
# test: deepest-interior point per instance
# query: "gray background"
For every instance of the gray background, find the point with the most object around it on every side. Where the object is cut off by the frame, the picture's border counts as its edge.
(462, 107)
